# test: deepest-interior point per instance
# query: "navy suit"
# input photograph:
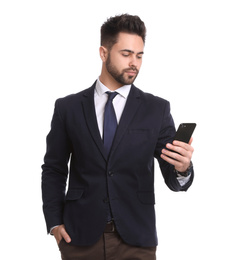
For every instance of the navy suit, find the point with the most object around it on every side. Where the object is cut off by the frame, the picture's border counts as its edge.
(124, 180)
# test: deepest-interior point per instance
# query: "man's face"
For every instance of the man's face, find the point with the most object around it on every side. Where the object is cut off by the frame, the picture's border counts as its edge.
(125, 58)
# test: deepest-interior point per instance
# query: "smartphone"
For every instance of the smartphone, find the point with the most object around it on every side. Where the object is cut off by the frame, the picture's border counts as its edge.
(185, 132)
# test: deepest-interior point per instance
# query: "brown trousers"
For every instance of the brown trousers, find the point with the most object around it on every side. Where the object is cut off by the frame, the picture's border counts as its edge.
(109, 247)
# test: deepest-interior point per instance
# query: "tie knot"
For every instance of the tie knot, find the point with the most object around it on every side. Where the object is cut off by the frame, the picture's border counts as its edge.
(111, 95)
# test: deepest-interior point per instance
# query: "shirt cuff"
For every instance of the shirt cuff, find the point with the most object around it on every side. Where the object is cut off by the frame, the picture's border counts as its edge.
(183, 180)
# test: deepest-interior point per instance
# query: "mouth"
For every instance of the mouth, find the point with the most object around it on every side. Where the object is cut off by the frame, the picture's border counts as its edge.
(131, 72)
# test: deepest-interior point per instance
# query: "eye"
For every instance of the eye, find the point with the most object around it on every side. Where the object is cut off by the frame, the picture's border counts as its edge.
(125, 54)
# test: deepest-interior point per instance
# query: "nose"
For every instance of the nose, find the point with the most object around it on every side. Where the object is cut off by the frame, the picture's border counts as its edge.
(134, 62)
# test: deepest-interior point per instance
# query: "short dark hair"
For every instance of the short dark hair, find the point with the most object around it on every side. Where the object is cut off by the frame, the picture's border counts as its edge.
(121, 23)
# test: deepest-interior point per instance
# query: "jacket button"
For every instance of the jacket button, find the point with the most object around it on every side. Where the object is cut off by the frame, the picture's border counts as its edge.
(110, 173)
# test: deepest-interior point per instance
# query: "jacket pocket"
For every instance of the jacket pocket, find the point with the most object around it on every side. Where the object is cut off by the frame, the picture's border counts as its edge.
(146, 197)
(74, 194)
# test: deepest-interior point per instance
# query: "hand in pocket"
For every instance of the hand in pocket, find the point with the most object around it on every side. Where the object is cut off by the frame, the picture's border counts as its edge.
(59, 233)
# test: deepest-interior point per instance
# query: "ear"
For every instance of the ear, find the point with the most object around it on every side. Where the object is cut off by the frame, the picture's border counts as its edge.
(103, 53)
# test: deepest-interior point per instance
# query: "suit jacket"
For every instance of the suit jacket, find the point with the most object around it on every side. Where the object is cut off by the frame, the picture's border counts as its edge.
(124, 180)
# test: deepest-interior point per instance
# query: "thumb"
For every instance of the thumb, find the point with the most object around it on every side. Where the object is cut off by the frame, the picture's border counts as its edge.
(65, 235)
(190, 141)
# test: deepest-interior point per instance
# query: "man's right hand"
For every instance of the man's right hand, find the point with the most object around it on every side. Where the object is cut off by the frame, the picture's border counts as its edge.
(59, 232)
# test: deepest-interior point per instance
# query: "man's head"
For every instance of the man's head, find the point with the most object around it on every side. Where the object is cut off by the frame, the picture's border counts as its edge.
(122, 44)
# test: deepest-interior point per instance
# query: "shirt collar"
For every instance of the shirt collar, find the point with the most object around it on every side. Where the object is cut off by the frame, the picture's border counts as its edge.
(101, 89)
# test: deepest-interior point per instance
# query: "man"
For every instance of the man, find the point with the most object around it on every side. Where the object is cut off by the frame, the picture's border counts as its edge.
(110, 134)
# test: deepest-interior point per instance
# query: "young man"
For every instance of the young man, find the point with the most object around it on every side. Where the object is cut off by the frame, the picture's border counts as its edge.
(111, 134)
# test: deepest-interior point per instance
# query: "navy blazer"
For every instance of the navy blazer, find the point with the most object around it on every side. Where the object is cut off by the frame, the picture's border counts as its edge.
(125, 179)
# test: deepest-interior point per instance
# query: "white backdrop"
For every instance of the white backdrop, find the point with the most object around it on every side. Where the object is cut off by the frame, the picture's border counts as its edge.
(49, 49)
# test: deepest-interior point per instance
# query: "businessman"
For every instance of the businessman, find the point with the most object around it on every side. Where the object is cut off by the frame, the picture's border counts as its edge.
(109, 135)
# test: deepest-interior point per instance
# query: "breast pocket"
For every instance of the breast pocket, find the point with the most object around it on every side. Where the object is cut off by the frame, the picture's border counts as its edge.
(141, 131)
(140, 138)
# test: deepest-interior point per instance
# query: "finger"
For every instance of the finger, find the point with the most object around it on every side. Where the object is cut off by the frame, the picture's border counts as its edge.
(185, 146)
(172, 154)
(170, 160)
(65, 235)
(175, 149)
(190, 141)
(180, 144)
(180, 166)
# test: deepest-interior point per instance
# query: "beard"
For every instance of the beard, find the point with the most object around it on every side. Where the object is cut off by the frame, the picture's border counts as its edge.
(120, 76)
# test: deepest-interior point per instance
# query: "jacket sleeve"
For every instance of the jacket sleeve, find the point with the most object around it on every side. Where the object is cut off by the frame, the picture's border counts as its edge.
(166, 135)
(55, 170)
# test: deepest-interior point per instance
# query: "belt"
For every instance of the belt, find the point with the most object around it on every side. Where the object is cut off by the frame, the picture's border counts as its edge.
(110, 227)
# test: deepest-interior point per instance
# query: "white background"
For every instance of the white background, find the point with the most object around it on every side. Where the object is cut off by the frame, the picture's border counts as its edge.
(49, 49)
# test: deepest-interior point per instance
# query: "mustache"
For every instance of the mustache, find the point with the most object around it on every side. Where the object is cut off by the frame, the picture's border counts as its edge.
(131, 69)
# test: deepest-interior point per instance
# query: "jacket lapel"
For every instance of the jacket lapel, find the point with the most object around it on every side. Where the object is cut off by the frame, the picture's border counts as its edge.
(91, 119)
(133, 102)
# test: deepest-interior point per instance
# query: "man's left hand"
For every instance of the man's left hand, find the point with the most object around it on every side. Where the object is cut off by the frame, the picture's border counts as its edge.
(180, 154)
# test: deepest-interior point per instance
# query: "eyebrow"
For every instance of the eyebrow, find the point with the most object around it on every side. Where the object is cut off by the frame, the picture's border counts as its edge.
(141, 52)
